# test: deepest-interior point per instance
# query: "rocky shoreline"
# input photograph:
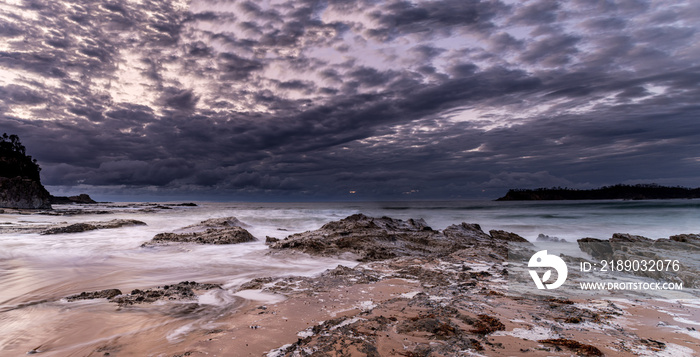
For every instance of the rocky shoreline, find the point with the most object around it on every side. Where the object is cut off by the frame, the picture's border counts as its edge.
(416, 292)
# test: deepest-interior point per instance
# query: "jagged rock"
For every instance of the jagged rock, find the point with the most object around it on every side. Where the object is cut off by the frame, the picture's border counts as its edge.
(212, 231)
(371, 239)
(270, 240)
(629, 238)
(684, 249)
(686, 238)
(90, 226)
(465, 232)
(596, 248)
(507, 236)
(23, 193)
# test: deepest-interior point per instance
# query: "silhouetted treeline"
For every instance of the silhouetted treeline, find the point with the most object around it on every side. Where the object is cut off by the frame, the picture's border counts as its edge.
(624, 192)
(14, 160)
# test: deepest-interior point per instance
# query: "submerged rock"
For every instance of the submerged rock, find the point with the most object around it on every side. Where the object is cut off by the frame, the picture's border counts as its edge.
(91, 226)
(227, 230)
(545, 238)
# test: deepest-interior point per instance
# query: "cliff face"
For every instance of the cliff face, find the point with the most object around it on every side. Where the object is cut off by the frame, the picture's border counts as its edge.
(21, 192)
(20, 186)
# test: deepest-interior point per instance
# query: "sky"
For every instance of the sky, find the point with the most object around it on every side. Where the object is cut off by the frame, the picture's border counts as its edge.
(341, 100)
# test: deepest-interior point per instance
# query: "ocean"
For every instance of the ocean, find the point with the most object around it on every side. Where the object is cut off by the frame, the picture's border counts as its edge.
(37, 271)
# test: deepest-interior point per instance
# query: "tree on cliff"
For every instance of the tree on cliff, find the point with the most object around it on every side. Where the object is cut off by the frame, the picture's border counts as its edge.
(14, 161)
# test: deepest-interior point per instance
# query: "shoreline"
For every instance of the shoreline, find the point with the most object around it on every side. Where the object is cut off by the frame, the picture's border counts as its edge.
(418, 292)
(418, 306)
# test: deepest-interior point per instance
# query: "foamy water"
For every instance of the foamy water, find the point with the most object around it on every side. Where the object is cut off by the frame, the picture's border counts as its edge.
(36, 271)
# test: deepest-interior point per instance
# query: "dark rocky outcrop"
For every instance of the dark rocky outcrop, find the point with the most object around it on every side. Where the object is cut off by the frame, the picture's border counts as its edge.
(82, 198)
(91, 226)
(227, 230)
(507, 236)
(370, 239)
(23, 193)
(20, 184)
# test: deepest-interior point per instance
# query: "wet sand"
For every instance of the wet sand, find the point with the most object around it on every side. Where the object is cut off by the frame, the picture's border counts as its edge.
(401, 307)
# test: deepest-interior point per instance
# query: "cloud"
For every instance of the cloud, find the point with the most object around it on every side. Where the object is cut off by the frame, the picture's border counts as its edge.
(313, 98)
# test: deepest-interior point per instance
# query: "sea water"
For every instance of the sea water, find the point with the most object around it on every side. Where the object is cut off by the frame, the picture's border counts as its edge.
(37, 271)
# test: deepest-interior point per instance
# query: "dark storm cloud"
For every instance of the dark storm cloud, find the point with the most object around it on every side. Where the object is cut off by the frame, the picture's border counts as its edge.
(428, 18)
(386, 98)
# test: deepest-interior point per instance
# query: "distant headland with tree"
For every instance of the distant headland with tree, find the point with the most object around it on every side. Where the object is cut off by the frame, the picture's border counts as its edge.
(616, 192)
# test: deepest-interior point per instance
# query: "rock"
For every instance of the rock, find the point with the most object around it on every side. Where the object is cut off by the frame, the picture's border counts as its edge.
(683, 249)
(686, 238)
(487, 324)
(507, 236)
(90, 226)
(20, 182)
(371, 239)
(596, 248)
(465, 232)
(270, 240)
(82, 198)
(545, 238)
(580, 348)
(104, 294)
(629, 238)
(212, 231)
(215, 223)
(23, 193)
(180, 291)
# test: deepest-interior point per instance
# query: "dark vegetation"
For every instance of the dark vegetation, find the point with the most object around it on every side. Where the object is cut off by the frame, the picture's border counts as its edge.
(623, 192)
(14, 161)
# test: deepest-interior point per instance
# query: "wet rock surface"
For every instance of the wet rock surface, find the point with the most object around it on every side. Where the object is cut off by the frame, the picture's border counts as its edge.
(372, 239)
(654, 257)
(227, 230)
(103, 294)
(185, 290)
(91, 226)
(458, 309)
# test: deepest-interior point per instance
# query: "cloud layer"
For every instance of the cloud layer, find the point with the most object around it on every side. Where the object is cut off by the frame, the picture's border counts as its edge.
(314, 99)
